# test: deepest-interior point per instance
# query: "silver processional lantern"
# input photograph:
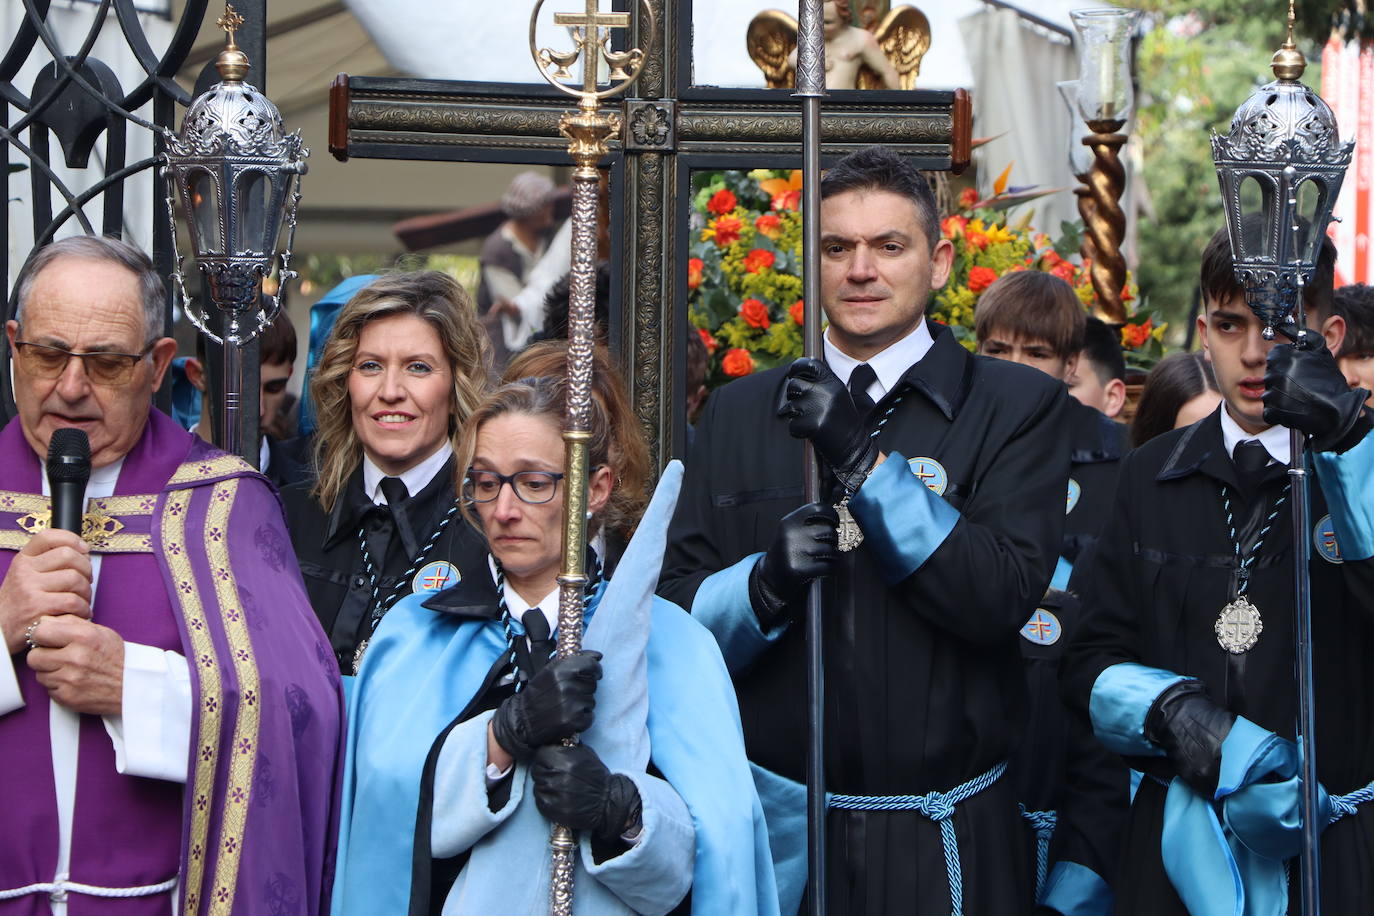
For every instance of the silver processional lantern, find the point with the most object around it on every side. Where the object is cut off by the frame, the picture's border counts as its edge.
(1280, 168)
(237, 173)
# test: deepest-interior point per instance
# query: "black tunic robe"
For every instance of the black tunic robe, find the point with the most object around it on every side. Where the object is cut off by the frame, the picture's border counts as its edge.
(924, 686)
(1158, 579)
(1060, 766)
(330, 553)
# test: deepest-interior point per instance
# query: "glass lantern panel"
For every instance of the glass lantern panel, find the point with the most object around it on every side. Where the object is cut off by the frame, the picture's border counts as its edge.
(204, 214)
(1311, 195)
(254, 194)
(1256, 198)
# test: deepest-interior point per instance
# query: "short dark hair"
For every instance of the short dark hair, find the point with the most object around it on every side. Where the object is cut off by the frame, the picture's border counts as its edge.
(278, 341)
(1218, 277)
(1174, 381)
(1355, 303)
(877, 168)
(1102, 350)
(1033, 305)
(559, 299)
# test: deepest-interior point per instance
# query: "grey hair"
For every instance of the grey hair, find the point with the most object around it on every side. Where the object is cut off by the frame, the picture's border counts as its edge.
(106, 248)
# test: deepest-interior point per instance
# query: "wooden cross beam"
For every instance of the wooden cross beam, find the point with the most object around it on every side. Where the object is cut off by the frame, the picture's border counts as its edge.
(669, 130)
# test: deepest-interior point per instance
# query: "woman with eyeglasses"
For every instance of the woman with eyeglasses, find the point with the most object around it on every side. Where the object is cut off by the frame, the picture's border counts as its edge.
(405, 364)
(457, 719)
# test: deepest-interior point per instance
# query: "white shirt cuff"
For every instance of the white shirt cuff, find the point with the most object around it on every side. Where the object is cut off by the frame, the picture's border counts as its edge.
(152, 735)
(10, 697)
(495, 774)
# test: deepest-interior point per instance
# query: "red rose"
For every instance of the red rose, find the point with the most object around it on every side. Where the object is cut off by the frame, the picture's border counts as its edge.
(1134, 335)
(737, 363)
(727, 230)
(758, 259)
(976, 239)
(953, 226)
(708, 339)
(787, 200)
(694, 266)
(967, 198)
(980, 278)
(722, 202)
(754, 313)
(798, 311)
(768, 224)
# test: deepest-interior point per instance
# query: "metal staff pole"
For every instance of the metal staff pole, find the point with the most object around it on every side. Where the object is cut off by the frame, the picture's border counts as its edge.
(587, 130)
(1285, 139)
(811, 89)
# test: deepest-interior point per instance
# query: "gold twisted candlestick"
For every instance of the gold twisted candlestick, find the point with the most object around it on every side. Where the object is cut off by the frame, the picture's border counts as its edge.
(1104, 219)
(588, 129)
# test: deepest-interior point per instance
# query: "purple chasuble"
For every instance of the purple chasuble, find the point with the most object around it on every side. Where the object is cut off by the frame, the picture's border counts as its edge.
(196, 560)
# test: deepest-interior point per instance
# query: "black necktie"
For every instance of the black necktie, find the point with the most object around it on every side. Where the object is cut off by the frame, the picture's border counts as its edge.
(1251, 459)
(394, 489)
(541, 640)
(397, 497)
(859, 380)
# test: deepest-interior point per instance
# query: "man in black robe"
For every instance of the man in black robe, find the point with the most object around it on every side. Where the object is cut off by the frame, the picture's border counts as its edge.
(1185, 657)
(1074, 793)
(953, 468)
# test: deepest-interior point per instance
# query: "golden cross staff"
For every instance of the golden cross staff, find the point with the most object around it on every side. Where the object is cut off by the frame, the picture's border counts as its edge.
(587, 129)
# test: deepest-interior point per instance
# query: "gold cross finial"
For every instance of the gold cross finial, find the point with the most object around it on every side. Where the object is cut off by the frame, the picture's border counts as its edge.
(230, 22)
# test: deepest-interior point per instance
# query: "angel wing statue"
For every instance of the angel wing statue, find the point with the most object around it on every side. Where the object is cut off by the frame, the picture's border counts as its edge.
(887, 54)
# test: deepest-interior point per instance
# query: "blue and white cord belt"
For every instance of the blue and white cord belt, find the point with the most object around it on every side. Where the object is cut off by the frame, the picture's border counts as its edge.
(1341, 805)
(938, 807)
(1043, 823)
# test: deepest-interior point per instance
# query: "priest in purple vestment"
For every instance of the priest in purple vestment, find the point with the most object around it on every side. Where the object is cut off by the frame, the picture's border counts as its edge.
(170, 712)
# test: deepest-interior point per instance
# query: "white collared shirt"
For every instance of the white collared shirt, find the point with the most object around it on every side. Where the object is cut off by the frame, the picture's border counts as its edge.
(415, 478)
(518, 606)
(889, 365)
(1274, 439)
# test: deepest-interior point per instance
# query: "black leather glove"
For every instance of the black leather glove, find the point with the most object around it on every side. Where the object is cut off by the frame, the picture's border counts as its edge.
(557, 702)
(806, 547)
(573, 787)
(1305, 389)
(818, 407)
(1190, 728)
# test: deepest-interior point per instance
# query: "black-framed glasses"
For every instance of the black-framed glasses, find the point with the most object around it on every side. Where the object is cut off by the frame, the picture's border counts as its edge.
(533, 487)
(110, 370)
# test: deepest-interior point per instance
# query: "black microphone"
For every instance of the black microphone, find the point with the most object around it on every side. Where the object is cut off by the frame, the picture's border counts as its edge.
(69, 468)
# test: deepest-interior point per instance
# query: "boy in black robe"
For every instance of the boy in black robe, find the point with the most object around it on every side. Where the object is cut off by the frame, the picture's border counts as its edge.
(1071, 789)
(953, 468)
(1185, 656)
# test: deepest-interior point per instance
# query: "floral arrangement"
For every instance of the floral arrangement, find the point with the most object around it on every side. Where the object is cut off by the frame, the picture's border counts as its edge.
(744, 270)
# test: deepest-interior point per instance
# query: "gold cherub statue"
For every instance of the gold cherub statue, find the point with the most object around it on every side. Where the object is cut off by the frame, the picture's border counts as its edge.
(882, 54)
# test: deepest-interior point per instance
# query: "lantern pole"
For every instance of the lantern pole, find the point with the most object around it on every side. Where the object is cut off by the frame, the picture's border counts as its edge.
(588, 129)
(238, 175)
(1285, 138)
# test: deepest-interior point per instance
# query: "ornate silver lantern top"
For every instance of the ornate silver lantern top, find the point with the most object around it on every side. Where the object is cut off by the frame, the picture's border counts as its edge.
(237, 171)
(1280, 168)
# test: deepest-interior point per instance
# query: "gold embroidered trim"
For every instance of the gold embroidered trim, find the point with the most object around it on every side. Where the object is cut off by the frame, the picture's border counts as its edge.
(14, 539)
(10, 501)
(210, 698)
(124, 505)
(244, 749)
(194, 471)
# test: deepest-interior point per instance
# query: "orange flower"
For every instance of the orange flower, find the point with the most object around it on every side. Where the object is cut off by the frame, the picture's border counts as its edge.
(787, 200)
(725, 230)
(785, 192)
(953, 226)
(1134, 335)
(1064, 270)
(1126, 294)
(967, 198)
(980, 278)
(768, 224)
(754, 313)
(737, 363)
(722, 202)
(708, 339)
(694, 266)
(976, 239)
(758, 259)
(798, 311)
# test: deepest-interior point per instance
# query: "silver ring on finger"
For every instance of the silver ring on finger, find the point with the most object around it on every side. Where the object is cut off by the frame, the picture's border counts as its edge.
(29, 631)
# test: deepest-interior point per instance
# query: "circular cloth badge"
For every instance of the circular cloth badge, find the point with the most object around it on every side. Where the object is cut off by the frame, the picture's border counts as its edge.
(435, 577)
(1075, 491)
(1324, 541)
(931, 473)
(1043, 628)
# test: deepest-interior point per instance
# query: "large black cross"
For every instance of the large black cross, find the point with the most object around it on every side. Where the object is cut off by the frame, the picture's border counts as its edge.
(670, 128)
